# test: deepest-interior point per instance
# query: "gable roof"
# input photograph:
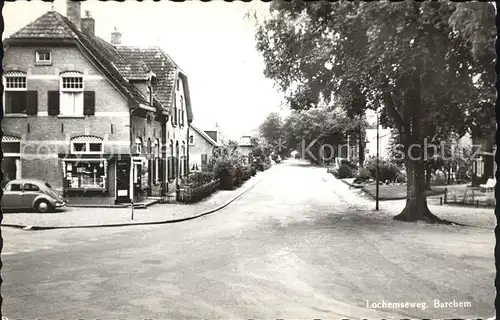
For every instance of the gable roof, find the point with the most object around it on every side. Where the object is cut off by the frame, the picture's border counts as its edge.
(245, 141)
(119, 69)
(204, 135)
(166, 70)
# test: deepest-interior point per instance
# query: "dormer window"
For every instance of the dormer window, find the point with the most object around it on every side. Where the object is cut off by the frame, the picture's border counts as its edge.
(43, 57)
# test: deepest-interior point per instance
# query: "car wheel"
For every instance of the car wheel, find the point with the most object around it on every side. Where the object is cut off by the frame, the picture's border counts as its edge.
(43, 206)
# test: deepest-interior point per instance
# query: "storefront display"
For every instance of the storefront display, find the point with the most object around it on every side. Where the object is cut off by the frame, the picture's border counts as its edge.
(85, 174)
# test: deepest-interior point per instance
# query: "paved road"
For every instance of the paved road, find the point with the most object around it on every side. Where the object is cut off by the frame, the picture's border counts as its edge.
(299, 245)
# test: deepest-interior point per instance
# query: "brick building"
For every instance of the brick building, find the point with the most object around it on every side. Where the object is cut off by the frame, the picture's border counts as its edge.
(97, 120)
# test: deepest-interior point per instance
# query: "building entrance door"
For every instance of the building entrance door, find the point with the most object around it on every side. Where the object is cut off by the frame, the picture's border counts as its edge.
(123, 181)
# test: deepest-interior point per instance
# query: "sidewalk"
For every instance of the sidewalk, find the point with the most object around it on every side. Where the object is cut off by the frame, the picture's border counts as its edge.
(81, 217)
(470, 216)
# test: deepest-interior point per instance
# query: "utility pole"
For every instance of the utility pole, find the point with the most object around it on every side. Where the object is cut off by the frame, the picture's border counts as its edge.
(133, 189)
(377, 171)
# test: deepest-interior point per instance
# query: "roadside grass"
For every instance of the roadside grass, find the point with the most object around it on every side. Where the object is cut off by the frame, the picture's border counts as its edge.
(397, 191)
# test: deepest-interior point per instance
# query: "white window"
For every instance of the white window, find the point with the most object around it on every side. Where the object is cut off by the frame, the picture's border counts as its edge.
(191, 139)
(43, 57)
(86, 145)
(71, 94)
(157, 161)
(138, 146)
(11, 163)
(15, 98)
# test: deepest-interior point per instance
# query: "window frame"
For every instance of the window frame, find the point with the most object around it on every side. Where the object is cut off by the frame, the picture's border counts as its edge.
(138, 145)
(38, 61)
(87, 147)
(31, 184)
(17, 89)
(9, 187)
(71, 91)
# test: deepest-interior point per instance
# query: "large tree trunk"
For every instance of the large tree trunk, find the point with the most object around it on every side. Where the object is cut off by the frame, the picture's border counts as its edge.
(428, 176)
(361, 148)
(416, 202)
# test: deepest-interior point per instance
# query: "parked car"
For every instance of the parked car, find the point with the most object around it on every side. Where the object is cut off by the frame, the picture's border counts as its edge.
(31, 194)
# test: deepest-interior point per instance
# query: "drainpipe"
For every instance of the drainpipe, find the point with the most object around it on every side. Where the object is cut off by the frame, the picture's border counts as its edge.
(187, 150)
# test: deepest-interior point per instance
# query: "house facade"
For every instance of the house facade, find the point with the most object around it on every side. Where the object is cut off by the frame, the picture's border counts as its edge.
(88, 119)
(201, 148)
(245, 147)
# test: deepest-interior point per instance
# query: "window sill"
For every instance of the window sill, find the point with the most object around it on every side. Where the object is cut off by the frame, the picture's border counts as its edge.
(68, 116)
(15, 115)
(40, 63)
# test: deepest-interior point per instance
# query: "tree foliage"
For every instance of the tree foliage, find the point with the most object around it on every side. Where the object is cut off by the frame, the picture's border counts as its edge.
(412, 61)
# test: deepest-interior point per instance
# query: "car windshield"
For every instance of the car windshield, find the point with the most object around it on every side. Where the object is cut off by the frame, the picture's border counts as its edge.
(48, 185)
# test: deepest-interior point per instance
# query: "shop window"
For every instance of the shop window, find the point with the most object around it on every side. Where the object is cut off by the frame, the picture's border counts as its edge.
(86, 174)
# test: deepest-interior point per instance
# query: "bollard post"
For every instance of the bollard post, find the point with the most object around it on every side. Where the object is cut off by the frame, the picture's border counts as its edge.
(441, 201)
(477, 203)
(445, 195)
(472, 195)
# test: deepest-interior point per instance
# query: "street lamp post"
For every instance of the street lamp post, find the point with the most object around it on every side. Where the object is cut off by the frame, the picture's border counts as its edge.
(377, 169)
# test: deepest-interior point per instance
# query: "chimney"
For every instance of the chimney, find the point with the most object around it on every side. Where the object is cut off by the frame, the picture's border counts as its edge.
(88, 23)
(116, 37)
(74, 12)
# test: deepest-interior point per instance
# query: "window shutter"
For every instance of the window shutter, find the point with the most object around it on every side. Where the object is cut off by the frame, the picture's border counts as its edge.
(176, 167)
(169, 168)
(32, 103)
(89, 103)
(53, 103)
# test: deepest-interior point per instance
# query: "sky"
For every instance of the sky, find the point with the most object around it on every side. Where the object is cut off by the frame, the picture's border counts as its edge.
(212, 43)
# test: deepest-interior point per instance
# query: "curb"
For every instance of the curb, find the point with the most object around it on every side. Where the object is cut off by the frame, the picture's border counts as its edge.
(38, 228)
(126, 205)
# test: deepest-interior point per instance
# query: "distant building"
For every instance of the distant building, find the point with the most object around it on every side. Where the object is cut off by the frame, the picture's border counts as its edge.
(245, 147)
(371, 142)
(201, 147)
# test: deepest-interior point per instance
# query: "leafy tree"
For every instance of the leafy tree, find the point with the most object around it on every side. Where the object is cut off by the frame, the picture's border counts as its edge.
(406, 59)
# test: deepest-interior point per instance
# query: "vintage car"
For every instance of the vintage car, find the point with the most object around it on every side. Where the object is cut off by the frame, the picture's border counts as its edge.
(31, 194)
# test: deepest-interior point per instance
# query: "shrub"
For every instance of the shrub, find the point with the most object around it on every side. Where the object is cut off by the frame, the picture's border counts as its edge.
(363, 175)
(192, 194)
(387, 170)
(199, 178)
(344, 171)
(401, 177)
(348, 163)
